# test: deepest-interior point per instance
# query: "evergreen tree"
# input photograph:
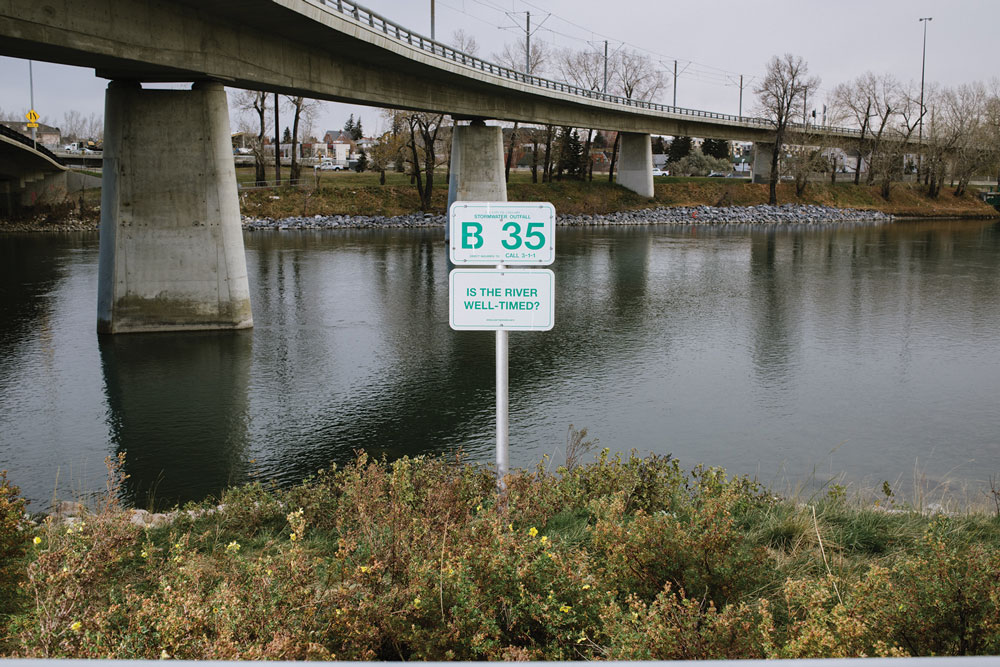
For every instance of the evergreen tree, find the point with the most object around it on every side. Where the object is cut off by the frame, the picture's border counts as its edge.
(680, 147)
(570, 153)
(717, 148)
(658, 147)
(362, 162)
(357, 133)
(286, 136)
(349, 127)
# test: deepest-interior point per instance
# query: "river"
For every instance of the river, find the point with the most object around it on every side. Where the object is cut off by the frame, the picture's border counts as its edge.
(801, 356)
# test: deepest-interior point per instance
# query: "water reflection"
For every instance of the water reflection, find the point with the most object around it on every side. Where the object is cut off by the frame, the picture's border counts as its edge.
(858, 350)
(178, 409)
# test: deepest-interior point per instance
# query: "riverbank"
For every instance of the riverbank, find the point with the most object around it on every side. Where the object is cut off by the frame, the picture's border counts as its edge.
(355, 198)
(789, 214)
(622, 558)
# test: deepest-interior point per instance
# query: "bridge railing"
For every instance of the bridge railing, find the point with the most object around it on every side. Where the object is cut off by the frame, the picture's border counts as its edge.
(365, 16)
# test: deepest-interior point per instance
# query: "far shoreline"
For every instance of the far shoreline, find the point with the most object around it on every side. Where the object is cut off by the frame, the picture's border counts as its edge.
(357, 201)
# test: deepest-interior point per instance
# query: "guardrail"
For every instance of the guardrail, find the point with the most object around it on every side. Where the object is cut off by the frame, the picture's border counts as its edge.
(365, 16)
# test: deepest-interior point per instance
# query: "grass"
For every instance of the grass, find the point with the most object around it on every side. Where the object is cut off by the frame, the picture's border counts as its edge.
(350, 193)
(620, 558)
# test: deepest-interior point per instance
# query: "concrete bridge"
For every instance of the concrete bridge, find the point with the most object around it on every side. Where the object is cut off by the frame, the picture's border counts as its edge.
(171, 244)
(29, 174)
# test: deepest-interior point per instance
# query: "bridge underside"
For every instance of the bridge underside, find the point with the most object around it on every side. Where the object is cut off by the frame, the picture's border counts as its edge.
(296, 48)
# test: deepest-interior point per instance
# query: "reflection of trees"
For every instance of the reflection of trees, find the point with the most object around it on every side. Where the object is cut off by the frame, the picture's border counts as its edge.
(178, 408)
(773, 344)
(31, 267)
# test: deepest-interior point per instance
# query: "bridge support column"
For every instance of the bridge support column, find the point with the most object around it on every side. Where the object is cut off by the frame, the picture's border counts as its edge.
(477, 172)
(762, 156)
(635, 163)
(171, 249)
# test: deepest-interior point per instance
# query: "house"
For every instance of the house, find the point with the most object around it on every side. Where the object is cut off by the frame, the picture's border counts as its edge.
(339, 145)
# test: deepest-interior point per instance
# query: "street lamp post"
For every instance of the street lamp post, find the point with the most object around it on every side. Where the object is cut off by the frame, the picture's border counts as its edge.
(923, 64)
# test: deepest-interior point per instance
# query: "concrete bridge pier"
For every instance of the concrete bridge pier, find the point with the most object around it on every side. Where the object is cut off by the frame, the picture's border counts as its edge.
(635, 163)
(762, 156)
(171, 249)
(477, 172)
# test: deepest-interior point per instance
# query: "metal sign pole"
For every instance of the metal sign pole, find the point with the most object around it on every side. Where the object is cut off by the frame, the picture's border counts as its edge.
(31, 86)
(503, 415)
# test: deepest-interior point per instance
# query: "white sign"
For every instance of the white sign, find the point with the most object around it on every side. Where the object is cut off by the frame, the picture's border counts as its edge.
(501, 299)
(502, 232)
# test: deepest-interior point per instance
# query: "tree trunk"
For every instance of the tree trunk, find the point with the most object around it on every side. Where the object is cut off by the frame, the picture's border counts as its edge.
(277, 144)
(510, 153)
(534, 157)
(772, 181)
(547, 170)
(296, 169)
(259, 171)
(586, 157)
(381, 176)
(614, 158)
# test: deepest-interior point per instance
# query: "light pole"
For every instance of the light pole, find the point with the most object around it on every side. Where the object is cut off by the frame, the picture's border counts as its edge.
(432, 19)
(923, 64)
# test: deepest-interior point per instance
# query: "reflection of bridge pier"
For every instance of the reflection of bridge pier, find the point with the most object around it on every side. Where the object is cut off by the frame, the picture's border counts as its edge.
(178, 407)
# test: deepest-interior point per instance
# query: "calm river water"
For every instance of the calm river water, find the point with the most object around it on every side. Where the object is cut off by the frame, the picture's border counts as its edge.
(796, 355)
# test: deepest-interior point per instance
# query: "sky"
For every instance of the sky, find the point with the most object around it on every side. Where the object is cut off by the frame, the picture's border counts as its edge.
(713, 43)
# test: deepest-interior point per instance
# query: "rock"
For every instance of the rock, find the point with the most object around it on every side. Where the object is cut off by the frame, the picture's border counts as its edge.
(67, 509)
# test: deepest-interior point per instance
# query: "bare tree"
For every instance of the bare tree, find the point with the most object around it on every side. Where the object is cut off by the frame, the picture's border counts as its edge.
(993, 124)
(464, 42)
(887, 98)
(783, 87)
(636, 76)
(423, 135)
(304, 111)
(586, 70)
(256, 101)
(385, 150)
(853, 101)
(894, 139)
(965, 111)
(516, 57)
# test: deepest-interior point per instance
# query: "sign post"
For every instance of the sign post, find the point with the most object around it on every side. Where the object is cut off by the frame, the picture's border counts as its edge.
(502, 299)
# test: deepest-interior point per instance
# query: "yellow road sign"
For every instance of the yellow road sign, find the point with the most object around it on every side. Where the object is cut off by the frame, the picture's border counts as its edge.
(32, 116)
(32, 124)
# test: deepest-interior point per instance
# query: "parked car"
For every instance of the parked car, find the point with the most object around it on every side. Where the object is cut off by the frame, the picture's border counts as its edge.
(330, 166)
(660, 172)
(716, 174)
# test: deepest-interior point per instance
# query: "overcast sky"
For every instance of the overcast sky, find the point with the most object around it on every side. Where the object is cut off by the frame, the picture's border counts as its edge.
(712, 42)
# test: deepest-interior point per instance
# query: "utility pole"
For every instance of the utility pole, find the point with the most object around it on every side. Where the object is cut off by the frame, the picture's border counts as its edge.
(277, 144)
(805, 98)
(675, 83)
(741, 96)
(432, 19)
(527, 43)
(605, 89)
(527, 36)
(923, 63)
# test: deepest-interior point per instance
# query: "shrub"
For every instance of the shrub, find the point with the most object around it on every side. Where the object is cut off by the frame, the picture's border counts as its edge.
(14, 539)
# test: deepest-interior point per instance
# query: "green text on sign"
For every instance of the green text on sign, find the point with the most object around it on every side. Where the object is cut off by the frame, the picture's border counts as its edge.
(510, 233)
(494, 299)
